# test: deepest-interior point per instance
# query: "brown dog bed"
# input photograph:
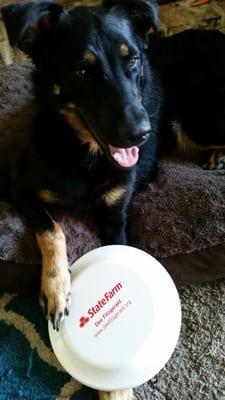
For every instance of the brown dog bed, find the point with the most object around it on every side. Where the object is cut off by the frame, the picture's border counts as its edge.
(180, 218)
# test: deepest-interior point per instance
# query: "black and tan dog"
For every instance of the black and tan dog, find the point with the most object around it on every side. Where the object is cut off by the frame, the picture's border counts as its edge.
(111, 98)
(93, 142)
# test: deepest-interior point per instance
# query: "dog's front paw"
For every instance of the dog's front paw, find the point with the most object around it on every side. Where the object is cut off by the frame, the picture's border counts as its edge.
(55, 296)
(216, 161)
(117, 395)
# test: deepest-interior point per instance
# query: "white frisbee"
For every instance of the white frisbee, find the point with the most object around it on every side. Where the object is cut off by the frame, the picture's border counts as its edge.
(124, 321)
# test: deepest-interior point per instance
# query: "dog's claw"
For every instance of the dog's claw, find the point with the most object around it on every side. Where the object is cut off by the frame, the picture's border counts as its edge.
(52, 319)
(55, 298)
(57, 321)
(44, 303)
(57, 318)
(66, 312)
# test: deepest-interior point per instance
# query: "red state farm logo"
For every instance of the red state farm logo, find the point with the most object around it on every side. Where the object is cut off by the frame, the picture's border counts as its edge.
(83, 321)
(101, 303)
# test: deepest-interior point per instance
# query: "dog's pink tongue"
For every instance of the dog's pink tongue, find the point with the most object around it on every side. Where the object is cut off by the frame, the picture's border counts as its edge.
(126, 158)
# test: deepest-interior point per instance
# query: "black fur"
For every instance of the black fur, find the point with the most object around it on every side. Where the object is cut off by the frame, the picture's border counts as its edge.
(109, 98)
(123, 101)
(191, 66)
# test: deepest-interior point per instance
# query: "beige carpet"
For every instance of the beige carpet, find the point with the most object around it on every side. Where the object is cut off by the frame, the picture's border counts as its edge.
(196, 371)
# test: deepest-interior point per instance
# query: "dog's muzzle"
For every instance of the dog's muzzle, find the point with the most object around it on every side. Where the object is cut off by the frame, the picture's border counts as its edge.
(128, 157)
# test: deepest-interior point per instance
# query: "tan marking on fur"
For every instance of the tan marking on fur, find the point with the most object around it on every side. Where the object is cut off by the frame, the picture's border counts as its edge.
(7, 54)
(117, 395)
(47, 196)
(55, 280)
(221, 158)
(216, 159)
(124, 50)
(70, 106)
(82, 131)
(56, 89)
(213, 160)
(90, 57)
(186, 145)
(114, 195)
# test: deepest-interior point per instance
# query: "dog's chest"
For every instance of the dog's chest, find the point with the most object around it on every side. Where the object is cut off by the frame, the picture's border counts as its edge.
(85, 187)
(70, 189)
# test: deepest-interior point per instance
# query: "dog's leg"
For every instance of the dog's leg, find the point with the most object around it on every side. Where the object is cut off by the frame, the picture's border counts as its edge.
(55, 279)
(117, 395)
(113, 225)
(111, 215)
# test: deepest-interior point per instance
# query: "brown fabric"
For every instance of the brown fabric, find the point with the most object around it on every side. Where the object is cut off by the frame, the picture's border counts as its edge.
(185, 270)
(200, 266)
(181, 213)
(20, 278)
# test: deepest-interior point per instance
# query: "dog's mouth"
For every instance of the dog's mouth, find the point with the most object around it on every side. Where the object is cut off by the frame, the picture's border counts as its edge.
(124, 157)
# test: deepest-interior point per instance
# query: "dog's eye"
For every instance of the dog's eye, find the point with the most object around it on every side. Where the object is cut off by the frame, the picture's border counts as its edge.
(80, 73)
(132, 62)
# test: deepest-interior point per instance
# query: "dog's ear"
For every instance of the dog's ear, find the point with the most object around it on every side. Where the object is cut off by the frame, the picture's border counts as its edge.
(144, 13)
(29, 24)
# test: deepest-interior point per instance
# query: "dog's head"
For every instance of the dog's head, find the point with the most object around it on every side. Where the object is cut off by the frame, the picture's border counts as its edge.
(91, 61)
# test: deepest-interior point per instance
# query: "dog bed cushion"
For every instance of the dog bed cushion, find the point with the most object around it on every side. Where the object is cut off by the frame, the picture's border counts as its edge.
(179, 219)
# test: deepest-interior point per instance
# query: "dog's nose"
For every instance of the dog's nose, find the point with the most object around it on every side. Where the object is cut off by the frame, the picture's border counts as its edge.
(135, 125)
(139, 132)
(138, 137)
